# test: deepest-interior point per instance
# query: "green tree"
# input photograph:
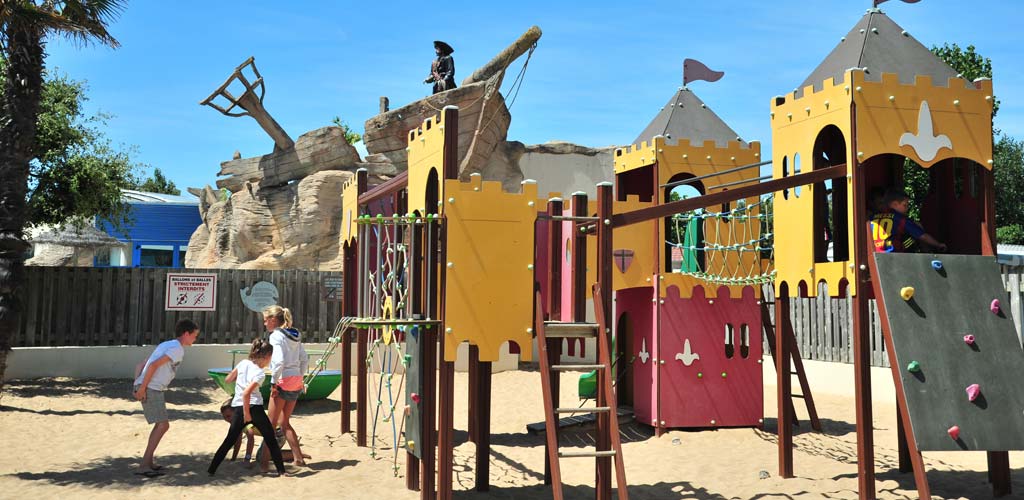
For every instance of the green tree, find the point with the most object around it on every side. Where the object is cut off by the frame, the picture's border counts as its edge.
(351, 136)
(75, 173)
(158, 184)
(1008, 172)
(24, 27)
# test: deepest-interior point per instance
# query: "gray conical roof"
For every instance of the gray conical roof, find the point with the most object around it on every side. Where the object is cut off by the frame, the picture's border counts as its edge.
(882, 46)
(687, 117)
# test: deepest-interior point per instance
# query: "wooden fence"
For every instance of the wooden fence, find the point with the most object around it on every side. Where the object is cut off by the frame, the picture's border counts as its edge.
(822, 324)
(86, 306)
(69, 306)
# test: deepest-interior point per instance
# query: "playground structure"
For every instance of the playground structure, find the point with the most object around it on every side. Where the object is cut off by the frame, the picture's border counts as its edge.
(435, 261)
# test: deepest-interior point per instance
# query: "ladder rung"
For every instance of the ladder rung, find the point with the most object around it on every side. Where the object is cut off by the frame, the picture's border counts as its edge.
(584, 409)
(797, 395)
(562, 368)
(575, 454)
(557, 329)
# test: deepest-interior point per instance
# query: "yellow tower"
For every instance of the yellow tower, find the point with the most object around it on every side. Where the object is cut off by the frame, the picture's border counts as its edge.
(686, 142)
(878, 99)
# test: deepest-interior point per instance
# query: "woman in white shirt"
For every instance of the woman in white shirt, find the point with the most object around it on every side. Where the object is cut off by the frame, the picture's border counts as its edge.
(248, 377)
(288, 368)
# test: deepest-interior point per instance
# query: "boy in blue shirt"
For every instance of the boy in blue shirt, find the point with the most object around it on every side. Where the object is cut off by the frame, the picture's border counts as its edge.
(893, 231)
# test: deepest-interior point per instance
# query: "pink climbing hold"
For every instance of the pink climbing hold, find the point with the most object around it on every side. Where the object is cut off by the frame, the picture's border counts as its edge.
(995, 306)
(969, 339)
(415, 398)
(973, 391)
(954, 432)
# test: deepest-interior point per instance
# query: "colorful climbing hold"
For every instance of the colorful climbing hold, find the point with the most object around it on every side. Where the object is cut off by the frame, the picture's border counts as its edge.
(954, 432)
(723, 375)
(973, 391)
(907, 292)
(969, 339)
(415, 397)
(994, 307)
(700, 375)
(913, 367)
(411, 444)
(937, 265)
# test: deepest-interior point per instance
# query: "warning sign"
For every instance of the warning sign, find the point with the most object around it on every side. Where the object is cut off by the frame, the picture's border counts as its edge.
(330, 288)
(191, 292)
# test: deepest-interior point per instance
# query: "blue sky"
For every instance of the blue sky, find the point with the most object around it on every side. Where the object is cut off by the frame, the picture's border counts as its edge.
(600, 73)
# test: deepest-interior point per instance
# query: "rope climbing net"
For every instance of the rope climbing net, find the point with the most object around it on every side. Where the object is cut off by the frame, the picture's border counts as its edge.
(734, 246)
(385, 312)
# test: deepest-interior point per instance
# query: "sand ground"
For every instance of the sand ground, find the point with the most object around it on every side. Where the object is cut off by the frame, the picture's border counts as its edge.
(80, 439)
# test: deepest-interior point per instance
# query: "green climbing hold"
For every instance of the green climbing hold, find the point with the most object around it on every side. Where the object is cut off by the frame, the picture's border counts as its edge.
(913, 367)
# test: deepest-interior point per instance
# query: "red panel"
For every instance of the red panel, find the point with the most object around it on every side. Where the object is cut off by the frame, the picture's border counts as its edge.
(636, 305)
(696, 395)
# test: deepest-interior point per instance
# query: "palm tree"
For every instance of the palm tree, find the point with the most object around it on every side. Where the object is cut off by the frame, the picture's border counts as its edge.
(24, 27)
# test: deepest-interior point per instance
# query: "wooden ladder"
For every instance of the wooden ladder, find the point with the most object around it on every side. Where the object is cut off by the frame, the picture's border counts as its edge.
(551, 330)
(798, 367)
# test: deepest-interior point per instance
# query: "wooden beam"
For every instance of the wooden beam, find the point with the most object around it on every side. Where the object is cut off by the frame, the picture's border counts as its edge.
(389, 187)
(681, 206)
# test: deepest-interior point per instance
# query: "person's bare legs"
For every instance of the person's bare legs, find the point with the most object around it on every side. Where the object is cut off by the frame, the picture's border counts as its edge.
(159, 429)
(289, 433)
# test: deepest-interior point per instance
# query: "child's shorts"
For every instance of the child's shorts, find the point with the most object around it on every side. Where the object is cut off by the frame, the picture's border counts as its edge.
(289, 395)
(154, 406)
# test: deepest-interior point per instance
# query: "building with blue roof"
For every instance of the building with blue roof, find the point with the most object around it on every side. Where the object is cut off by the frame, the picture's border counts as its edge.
(158, 234)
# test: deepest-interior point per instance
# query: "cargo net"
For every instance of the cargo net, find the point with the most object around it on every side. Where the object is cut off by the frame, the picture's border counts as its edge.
(385, 313)
(734, 246)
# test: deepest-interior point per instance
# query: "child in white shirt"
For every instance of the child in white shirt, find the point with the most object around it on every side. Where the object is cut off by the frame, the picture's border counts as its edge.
(248, 377)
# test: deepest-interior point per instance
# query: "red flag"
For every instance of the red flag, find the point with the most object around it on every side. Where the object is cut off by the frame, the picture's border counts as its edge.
(694, 70)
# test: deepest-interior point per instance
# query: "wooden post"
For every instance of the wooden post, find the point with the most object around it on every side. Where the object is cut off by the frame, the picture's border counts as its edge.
(783, 380)
(556, 254)
(349, 307)
(446, 402)
(860, 332)
(603, 472)
(362, 184)
(483, 421)
(903, 449)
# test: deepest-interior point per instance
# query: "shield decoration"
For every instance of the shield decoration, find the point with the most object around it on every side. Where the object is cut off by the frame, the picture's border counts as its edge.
(623, 258)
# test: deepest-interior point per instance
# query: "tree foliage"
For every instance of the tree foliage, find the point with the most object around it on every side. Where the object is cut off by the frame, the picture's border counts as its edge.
(1007, 154)
(75, 172)
(25, 26)
(158, 183)
(1008, 169)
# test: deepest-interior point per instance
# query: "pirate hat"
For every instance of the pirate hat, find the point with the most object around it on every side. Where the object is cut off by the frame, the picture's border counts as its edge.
(445, 48)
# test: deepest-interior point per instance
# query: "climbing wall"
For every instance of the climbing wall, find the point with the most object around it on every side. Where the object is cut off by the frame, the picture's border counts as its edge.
(932, 302)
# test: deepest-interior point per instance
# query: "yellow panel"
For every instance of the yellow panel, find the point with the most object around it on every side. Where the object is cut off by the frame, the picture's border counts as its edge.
(489, 289)
(639, 238)
(959, 111)
(426, 153)
(886, 110)
(795, 126)
(349, 210)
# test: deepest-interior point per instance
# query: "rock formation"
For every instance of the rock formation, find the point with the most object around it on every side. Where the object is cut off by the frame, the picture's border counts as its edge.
(284, 207)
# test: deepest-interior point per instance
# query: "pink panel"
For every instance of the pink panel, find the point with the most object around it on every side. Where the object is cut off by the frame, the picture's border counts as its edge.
(567, 279)
(636, 304)
(541, 266)
(694, 395)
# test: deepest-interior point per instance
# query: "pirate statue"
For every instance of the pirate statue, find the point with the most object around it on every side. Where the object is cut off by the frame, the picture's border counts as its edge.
(442, 70)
